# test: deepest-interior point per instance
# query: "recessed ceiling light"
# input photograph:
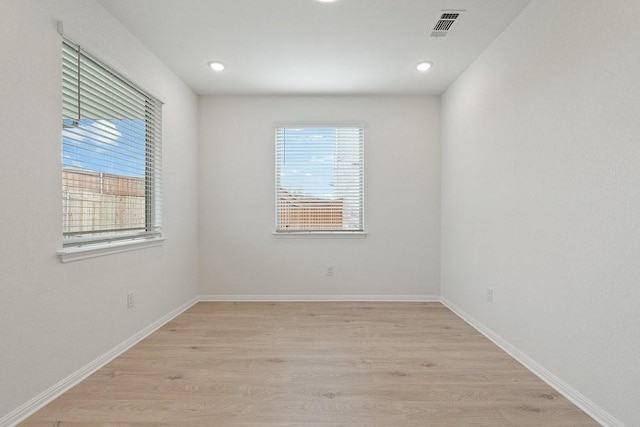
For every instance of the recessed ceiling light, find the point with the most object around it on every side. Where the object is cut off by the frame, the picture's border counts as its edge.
(424, 66)
(327, 1)
(216, 66)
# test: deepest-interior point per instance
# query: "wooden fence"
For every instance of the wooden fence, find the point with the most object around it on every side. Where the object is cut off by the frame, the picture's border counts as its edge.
(93, 201)
(308, 213)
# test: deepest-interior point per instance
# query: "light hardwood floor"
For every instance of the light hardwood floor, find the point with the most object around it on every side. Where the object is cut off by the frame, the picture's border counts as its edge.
(313, 364)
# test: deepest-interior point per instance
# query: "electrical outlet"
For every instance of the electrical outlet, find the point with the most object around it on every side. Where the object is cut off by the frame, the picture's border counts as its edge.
(489, 294)
(131, 299)
(329, 270)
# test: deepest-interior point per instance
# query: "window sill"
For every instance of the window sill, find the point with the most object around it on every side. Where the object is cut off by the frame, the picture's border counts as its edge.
(321, 235)
(92, 251)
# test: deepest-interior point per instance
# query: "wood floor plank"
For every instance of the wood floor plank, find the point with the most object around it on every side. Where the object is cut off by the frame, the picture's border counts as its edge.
(313, 364)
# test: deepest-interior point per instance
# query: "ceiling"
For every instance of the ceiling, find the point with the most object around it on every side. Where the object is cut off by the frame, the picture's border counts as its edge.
(308, 47)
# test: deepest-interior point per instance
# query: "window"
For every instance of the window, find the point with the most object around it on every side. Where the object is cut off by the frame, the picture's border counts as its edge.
(111, 154)
(319, 179)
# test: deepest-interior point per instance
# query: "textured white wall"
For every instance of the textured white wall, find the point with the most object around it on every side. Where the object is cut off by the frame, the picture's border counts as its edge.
(55, 318)
(540, 194)
(238, 253)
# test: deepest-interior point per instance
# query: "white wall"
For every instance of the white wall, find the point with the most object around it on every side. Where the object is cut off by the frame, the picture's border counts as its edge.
(238, 253)
(540, 194)
(55, 318)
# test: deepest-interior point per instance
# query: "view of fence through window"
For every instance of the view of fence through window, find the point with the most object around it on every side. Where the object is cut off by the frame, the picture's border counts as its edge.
(103, 177)
(319, 179)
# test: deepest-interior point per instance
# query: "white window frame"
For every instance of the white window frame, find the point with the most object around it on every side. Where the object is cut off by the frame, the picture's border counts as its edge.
(107, 81)
(319, 233)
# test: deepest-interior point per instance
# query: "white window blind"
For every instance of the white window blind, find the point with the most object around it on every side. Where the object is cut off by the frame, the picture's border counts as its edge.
(111, 153)
(319, 179)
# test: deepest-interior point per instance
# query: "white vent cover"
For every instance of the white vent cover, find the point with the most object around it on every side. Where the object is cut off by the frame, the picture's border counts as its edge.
(448, 19)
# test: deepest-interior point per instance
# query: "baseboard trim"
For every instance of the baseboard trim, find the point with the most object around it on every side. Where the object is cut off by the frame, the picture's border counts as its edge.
(31, 407)
(319, 298)
(594, 411)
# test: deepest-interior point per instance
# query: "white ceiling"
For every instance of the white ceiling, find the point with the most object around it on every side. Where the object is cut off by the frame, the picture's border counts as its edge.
(308, 47)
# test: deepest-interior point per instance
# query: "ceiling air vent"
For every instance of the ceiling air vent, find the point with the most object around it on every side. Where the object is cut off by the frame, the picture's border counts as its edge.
(447, 21)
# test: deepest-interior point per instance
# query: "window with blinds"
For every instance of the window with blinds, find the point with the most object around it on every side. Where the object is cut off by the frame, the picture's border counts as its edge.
(319, 179)
(111, 154)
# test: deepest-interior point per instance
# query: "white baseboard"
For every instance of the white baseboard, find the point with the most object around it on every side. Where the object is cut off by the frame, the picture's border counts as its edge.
(302, 298)
(582, 402)
(31, 407)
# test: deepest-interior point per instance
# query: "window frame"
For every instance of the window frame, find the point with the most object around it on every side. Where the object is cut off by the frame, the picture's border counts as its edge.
(103, 242)
(321, 234)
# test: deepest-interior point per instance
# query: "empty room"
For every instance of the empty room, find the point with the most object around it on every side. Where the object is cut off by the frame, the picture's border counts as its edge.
(320, 213)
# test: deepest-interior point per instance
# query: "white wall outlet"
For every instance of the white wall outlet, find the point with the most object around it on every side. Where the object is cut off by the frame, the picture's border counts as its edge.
(489, 294)
(131, 299)
(329, 270)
